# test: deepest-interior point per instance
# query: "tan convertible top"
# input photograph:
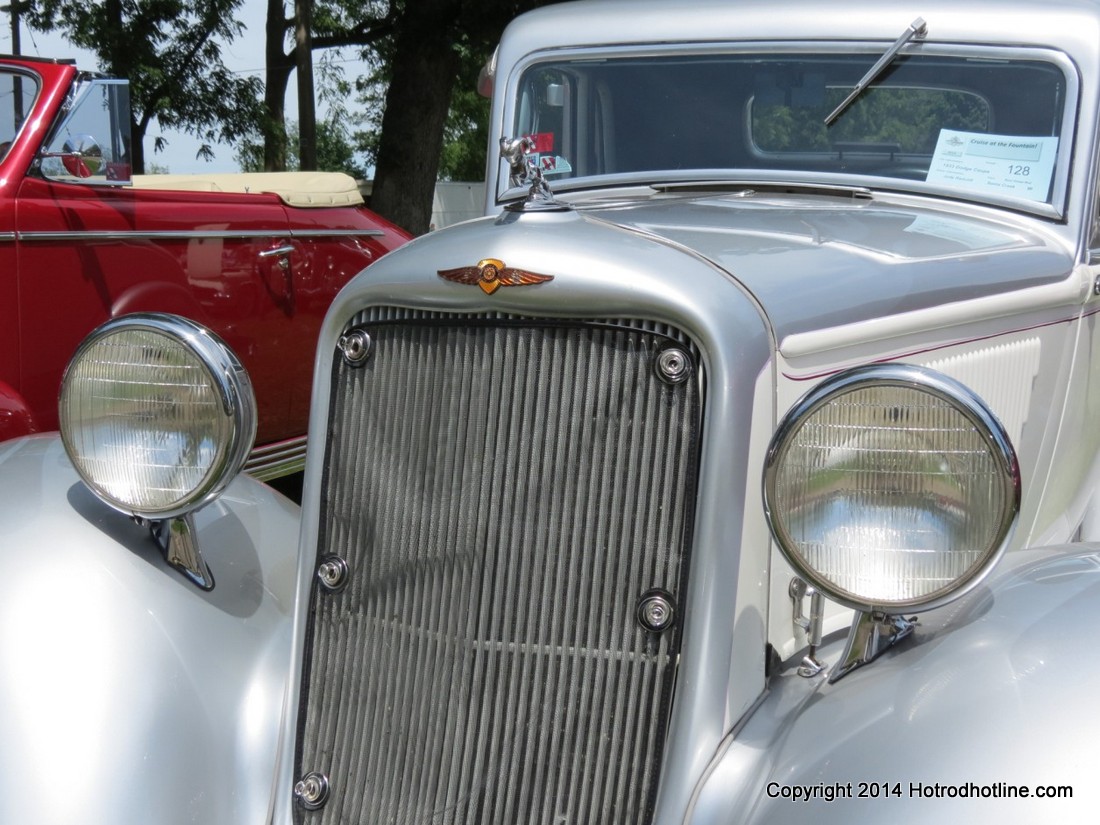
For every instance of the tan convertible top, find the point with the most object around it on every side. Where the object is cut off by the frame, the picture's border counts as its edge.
(294, 188)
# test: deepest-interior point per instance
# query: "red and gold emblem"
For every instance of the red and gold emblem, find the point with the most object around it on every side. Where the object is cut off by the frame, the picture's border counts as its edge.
(491, 273)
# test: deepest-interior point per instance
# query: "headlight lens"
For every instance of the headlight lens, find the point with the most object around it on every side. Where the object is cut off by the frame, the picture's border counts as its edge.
(157, 414)
(891, 487)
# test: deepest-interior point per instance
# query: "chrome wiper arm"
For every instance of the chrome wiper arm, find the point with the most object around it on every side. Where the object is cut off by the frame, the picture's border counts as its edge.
(917, 29)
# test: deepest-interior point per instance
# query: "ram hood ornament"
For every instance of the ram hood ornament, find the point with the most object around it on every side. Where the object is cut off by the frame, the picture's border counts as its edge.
(523, 170)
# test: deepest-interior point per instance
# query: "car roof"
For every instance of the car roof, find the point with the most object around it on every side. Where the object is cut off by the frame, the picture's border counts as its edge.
(1070, 25)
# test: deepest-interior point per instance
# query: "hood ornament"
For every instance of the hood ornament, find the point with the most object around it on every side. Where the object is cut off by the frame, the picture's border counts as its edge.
(522, 171)
(490, 274)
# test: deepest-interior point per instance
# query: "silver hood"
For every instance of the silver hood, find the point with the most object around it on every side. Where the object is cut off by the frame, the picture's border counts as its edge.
(817, 261)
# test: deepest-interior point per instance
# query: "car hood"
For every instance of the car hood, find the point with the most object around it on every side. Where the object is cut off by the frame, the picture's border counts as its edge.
(820, 261)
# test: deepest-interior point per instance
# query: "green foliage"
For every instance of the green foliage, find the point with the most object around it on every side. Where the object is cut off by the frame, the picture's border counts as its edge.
(170, 51)
(352, 22)
(336, 151)
(466, 134)
(474, 35)
(370, 94)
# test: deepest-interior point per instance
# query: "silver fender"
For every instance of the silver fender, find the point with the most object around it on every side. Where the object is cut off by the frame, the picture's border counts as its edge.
(991, 694)
(128, 695)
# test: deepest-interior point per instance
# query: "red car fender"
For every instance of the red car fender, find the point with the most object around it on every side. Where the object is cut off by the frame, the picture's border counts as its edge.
(16, 418)
(159, 296)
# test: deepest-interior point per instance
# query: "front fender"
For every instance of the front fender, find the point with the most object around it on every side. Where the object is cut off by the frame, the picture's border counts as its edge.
(16, 418)
(991, 697)
(127, 694)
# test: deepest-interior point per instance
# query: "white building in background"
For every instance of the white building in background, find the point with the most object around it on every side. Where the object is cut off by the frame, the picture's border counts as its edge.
(457, 201)
(454, 201)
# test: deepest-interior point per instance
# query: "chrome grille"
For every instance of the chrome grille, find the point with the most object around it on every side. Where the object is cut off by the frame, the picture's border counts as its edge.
(503, 493)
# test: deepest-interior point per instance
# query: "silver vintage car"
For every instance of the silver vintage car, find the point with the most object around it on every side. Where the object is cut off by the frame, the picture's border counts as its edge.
(739, 466)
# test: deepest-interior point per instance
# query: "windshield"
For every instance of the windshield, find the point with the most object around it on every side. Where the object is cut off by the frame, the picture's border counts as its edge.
(989, 126)
(17, 96)
(92, 144)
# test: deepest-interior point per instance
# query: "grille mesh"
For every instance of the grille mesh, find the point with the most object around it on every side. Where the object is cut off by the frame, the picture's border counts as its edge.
(503, 494)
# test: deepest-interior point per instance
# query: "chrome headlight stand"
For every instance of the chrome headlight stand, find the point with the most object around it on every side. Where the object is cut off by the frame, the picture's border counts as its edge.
(179, 544)
(158, 416)
(872, 634)
(889, 488)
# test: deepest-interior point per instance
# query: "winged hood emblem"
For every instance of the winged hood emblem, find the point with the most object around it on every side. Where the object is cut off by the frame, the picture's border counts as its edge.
(491, 274)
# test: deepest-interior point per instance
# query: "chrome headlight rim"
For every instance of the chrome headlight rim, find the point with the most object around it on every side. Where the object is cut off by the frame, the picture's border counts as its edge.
(942, 387)
(234, 393)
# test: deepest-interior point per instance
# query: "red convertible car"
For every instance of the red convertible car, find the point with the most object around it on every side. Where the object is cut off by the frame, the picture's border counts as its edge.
(255, 257)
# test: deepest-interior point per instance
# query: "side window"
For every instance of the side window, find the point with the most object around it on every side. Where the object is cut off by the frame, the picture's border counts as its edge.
(17, 94)
(92, 144)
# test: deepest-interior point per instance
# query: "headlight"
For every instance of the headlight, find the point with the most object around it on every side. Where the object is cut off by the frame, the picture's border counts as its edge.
(891, 488)
(157, 414)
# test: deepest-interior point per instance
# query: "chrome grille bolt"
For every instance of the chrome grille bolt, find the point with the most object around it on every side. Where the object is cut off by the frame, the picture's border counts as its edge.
(356, 347)
(673, 365)
(332, 573)
(311, 790)
(656, 611)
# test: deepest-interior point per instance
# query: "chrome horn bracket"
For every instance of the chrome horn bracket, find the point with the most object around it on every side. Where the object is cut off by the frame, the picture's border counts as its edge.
(872, 634)
(810, 625)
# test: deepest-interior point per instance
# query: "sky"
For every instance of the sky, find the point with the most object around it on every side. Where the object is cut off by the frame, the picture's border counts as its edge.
(244, 55)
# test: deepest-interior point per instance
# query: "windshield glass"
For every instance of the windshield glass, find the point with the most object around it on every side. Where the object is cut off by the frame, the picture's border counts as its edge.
(991, 127)
(17, 95)
(92, 145)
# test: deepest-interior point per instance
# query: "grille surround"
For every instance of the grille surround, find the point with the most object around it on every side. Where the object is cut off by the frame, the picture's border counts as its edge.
(470, 700)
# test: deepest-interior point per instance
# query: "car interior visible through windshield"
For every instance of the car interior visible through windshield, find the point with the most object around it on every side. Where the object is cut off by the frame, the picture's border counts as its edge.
(994, 124)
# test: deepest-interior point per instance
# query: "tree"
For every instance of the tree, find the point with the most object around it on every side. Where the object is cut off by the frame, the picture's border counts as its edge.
(419, 49)
(432, 41)
(336, 151)
(422, 75)
(466, 131)
(332, 24)
(170, 50)
(277, 67)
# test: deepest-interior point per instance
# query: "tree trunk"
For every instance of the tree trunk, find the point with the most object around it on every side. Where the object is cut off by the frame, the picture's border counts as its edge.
(276, 77)
(307, 110)
(423, 72)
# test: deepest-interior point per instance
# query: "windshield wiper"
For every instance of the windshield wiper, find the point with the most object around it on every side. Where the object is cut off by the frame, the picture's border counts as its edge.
(918, 29)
